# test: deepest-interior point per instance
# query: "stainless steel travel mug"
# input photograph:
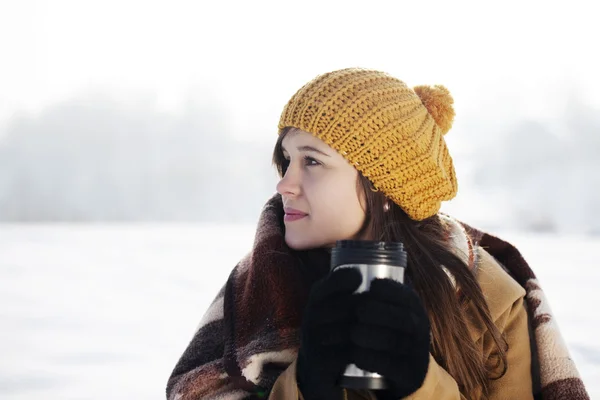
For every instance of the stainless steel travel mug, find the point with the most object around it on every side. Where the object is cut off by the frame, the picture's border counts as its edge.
(374, 260)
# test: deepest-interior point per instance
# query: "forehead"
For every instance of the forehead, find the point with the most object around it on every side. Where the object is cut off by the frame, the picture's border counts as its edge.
(296, 137)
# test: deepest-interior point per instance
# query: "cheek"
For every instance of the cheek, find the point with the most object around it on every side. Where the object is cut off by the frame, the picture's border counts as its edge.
(347, 209)
(338, 205)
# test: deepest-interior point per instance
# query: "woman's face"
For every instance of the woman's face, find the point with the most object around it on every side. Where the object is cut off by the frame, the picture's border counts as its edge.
(319, 193)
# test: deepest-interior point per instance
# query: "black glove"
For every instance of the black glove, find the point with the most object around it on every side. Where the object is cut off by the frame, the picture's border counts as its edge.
(391, 337)
(326, 347)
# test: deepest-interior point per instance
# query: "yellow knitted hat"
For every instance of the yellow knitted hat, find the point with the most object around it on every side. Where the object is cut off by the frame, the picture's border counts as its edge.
(392, 134)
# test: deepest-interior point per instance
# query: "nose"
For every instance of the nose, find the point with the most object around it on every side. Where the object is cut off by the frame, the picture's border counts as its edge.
(289, 185)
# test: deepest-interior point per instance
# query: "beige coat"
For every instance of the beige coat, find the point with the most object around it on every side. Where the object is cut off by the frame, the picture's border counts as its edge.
(505, 298)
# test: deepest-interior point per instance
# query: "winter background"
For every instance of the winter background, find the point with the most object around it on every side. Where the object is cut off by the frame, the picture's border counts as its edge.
(135, 144)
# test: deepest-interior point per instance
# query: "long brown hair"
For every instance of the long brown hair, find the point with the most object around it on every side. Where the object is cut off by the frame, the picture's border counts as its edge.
(429, 254)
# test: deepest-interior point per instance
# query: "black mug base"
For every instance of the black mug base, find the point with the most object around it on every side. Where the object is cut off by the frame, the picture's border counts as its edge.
(363, 382)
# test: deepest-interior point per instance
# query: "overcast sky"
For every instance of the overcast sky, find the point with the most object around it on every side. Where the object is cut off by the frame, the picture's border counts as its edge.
(497, 58)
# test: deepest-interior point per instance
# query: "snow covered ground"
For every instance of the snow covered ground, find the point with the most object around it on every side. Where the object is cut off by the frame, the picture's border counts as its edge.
(104, 311)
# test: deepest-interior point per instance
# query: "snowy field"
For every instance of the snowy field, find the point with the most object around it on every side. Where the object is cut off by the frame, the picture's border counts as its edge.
(104, 311)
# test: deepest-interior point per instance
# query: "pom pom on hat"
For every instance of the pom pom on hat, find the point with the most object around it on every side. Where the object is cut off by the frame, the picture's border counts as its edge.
(438, 101)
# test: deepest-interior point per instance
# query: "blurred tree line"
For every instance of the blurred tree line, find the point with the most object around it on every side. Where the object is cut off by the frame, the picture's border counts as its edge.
(92, 159)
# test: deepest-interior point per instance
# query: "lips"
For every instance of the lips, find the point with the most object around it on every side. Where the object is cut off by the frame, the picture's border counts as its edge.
(291, 214)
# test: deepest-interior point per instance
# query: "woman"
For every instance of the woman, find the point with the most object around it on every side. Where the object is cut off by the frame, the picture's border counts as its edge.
(362, 156)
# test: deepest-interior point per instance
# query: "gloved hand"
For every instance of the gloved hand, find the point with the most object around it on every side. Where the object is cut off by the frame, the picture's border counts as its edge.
(391, 337)
(326, 347)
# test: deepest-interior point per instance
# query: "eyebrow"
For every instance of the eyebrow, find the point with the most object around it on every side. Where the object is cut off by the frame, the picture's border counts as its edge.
(308, 148)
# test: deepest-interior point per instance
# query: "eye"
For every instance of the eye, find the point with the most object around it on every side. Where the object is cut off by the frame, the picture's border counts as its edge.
(310, 162)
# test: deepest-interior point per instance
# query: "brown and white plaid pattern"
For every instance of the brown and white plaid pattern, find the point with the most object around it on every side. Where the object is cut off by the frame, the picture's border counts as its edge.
(556, 374)
(250, 333)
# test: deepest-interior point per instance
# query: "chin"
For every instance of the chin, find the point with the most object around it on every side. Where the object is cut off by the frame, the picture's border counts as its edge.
(299, 243)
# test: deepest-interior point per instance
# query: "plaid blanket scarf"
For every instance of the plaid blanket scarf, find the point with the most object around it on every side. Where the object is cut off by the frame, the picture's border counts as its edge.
(250, 333)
